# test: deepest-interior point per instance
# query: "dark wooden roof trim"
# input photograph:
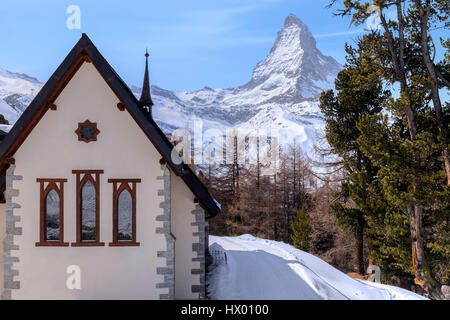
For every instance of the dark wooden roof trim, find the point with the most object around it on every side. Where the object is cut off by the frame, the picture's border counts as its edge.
(85, 51)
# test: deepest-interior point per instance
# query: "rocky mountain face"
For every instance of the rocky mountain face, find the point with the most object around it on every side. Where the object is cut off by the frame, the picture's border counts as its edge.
(282, 93)
(295, 65)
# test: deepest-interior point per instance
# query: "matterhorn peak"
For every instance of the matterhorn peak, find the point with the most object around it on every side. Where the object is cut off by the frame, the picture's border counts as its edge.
(293, 25)
(295, 64)
(292, 19)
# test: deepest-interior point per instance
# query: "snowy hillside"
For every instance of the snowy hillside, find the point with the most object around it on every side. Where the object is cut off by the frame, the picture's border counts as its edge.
(282, 93)
(8, 112)
(269, 270)
(18, 90)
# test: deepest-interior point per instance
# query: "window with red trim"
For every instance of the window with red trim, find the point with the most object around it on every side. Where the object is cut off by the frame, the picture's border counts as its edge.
(124, 212)
(88, 208)
(51, 224)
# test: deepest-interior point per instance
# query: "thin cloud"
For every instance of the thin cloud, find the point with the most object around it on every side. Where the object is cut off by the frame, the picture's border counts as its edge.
(248, 6)
(229, 13)
(339, 34)
(245, 41)
(214, 26)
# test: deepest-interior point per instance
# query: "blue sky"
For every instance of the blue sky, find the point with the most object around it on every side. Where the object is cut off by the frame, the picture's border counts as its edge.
(192, 43)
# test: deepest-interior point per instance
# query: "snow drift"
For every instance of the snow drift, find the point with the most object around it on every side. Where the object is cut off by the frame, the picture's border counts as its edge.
(269, 270)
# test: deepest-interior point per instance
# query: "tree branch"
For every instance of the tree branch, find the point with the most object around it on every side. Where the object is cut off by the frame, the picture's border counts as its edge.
(440, 76)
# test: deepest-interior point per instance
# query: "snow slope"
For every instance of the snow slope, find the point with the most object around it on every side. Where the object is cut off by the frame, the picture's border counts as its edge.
(12, 82)
(269, 270)
(18, 90)
(9, 113)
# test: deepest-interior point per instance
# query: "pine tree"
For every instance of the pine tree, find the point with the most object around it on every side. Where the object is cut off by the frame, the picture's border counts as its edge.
(426, 14)
(359, 92)
(301, 231)
(3, 119)
(407, 147)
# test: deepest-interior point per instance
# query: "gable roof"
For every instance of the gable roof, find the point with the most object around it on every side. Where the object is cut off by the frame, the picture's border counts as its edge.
(85, 51)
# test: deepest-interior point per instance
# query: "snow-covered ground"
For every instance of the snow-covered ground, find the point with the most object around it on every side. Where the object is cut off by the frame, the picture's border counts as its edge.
(269, 270)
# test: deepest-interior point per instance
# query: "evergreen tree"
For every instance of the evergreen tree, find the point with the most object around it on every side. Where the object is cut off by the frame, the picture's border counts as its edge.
(407, 146)
(3, 119)
(426, 15)
(301, 231)
(359, 92)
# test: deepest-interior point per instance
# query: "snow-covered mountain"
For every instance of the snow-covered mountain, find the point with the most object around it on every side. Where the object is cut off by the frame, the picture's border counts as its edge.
(18, 89)
(282, 93)
(8, 112)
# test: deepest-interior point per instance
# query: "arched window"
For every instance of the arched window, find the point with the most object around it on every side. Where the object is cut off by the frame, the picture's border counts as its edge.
(52, 216)
(88, 208)
(88, 212)
(125, 216)
(51, 212)
(124, 212)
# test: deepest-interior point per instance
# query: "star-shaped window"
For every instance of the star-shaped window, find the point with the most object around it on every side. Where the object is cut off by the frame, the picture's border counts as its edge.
(87, 131)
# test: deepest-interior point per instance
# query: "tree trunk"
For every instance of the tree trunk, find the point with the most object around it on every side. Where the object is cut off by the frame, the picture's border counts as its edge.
(404, 283)
(286, 221)
(422, 273)
(258, 165)
(359, 258)
(424, 15)
(275, 231)
(446, 155)
(209, 176)
(415, 211)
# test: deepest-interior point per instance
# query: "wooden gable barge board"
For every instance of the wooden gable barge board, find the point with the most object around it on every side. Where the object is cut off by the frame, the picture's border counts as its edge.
(56, 84)
(28, 119)
(151, 129)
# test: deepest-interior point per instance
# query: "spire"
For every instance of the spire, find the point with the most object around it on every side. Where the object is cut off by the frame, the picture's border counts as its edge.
(146, 99)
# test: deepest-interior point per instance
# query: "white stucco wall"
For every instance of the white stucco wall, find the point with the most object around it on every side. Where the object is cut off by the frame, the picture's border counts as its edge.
(182, 205)
(2, 236)
(52, 150)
